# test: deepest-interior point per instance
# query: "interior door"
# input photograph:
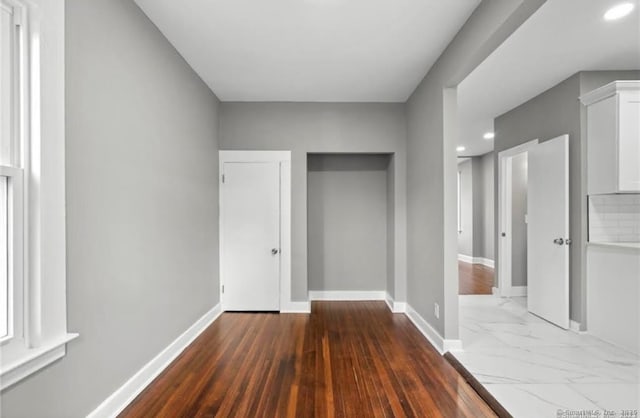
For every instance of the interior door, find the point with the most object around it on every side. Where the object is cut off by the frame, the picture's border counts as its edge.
(250, 236)
(548, 231)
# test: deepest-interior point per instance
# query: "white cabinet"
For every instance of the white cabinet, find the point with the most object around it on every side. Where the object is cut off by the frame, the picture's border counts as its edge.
(613, 290)
(613, 138)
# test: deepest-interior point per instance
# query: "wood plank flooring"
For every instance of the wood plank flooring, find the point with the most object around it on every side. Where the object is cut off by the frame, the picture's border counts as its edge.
(474, 279)
(345, 359)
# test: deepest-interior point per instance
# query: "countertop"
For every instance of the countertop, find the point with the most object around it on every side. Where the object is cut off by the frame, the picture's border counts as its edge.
(635, 245)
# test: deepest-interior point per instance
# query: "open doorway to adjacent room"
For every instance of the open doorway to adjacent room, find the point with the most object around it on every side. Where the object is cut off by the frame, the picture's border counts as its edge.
(475, 225)
(533, 344)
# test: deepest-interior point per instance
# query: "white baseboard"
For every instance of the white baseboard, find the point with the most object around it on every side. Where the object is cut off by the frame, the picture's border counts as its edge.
(399, 307)
(509, 292)
(451, 345)
(347, 295)
(389, 300)
(518, 291)
(296, 307)
(436, 340)
(395, 307)
(487, 262)
(477, 260)
(119, 399)
(575, 326)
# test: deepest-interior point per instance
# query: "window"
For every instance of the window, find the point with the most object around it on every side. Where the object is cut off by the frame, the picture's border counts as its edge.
(11, 173)
(33, 324)
(5, 318)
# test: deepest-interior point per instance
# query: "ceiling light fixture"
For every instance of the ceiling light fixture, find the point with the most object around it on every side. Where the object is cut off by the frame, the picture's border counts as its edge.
(489, 135)
(619, 11)
(460, 149)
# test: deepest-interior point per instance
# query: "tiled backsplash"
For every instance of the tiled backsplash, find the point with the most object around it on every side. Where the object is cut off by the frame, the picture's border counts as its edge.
(614, 218)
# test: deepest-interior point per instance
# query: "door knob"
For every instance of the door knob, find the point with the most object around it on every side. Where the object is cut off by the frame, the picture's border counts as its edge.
(274, 251)
(558, 241)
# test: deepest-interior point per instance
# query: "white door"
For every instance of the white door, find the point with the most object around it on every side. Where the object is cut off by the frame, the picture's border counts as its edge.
(548, 231)
(250, 236)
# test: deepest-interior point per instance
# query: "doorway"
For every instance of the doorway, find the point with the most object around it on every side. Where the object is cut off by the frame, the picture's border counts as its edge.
(475, 224)
(255, 253)
(512, 220)
(534, 227)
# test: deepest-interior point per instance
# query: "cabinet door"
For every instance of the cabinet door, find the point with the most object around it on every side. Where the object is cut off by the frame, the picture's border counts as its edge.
(629, 142)
(602, 151)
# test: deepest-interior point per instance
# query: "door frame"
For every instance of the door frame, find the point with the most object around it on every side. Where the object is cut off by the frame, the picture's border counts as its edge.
(284, 159)
(505, 243)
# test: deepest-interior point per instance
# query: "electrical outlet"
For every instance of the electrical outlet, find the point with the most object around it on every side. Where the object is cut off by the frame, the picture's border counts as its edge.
(436, 310)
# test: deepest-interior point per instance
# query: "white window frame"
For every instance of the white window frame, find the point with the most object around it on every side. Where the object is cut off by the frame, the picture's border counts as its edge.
(15, 247)
(39, 330)
(14, 173)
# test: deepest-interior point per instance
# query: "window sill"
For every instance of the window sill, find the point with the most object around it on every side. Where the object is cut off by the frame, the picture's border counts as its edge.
(32, 360)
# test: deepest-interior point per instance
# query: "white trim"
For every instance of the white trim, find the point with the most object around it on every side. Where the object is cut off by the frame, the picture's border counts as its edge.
(284, 158)
(389, 301)
(452, 345)
(348, 295)
(517, 291)
(44, 323)
(34, 360)
(608, 90)
(285, 238)
(395, 307)
(254, 156)
(575, 326)
(295, 307)
(504, 213)
(476, 260)
(126, 393)
(15, 251)
(399, 307)
(431, 334)
(510, 292)
(487, 262)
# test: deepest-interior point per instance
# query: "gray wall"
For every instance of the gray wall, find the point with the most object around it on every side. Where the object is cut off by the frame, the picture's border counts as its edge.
(519, 177)
(477, 195)
(488, 196)
(465, 234)
(141, 172)
(431, 161)
(347, 221)
(555, 112)
(321, 128)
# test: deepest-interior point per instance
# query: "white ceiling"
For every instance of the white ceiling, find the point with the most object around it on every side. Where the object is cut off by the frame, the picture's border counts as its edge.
(310, 50)
(560, 39)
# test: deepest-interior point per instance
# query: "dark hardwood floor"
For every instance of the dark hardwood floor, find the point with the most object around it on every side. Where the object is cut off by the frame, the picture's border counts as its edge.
(346, 359)
(474, 279)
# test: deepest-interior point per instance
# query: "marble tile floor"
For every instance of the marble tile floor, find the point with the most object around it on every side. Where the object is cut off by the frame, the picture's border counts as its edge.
(535, 369)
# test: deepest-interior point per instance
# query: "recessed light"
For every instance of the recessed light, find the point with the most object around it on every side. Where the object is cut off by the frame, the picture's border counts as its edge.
(489, 135)
(619, 11)
(460, 149)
